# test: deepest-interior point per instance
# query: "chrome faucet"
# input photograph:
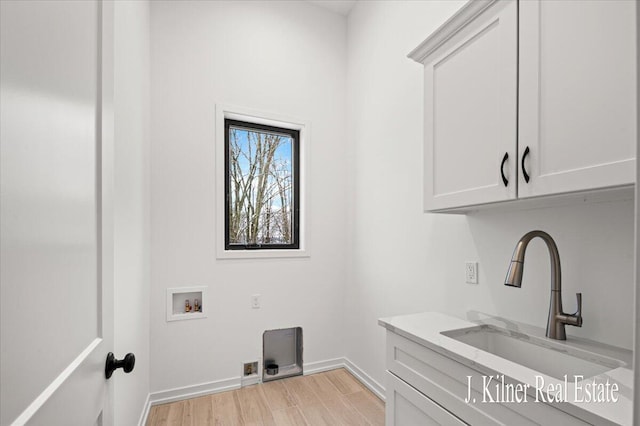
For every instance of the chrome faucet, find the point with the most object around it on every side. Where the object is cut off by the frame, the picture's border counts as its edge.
(557, 318)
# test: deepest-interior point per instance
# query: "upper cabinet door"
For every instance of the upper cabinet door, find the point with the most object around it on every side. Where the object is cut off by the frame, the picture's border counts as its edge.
(471, 110)
(577, 95)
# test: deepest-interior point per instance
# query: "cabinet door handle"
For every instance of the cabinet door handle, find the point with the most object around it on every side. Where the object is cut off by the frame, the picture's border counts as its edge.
(504, 160)
(524, 170)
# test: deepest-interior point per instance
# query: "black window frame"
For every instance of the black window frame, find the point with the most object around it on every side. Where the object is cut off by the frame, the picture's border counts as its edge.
(295, 228)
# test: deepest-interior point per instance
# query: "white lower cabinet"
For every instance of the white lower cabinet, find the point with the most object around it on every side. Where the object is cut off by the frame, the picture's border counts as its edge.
(407, 406)
(427, 388)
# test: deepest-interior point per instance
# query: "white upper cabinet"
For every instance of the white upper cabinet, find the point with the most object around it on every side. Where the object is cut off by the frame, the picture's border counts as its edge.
(527, 99)
(577, 95)
(471, 110)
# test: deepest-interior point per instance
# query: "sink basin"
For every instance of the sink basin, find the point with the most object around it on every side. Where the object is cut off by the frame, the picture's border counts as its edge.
(539, 354)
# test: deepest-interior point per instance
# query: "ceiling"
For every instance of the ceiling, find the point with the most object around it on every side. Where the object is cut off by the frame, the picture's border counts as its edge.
(343, 7)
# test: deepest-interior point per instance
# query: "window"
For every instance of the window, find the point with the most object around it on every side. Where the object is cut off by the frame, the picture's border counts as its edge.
(262, 194)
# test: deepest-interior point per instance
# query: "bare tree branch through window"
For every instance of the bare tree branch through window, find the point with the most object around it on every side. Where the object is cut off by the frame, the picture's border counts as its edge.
(261, 187)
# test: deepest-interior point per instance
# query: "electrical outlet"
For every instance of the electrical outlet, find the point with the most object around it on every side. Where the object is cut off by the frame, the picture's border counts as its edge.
(255, 301)
(471, 272)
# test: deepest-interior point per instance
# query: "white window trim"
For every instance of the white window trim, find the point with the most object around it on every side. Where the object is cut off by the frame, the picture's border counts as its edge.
(260, 117)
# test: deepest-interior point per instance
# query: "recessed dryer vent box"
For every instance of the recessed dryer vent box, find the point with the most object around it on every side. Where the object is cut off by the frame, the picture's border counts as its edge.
(282, 353)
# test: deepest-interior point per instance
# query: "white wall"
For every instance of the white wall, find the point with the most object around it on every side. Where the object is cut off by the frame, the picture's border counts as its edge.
(402, 260)
(131, 206)
(287, 58)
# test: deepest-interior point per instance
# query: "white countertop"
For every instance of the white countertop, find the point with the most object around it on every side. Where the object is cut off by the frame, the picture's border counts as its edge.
(426, 328)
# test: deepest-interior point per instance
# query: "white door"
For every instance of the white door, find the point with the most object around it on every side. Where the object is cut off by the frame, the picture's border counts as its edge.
(55, 221)
(577, 95)
(471, 113)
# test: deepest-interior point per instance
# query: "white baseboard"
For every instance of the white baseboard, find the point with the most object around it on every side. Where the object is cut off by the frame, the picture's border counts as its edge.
(365, 379)
(320, 366)
(186, 392)
(254, 379)
(193, 391)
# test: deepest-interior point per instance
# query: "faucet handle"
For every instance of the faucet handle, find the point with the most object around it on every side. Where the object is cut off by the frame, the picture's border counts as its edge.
(578, 314)
(572, 319)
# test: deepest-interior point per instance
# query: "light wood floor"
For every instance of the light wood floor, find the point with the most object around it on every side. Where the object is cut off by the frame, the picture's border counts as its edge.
(330, 398)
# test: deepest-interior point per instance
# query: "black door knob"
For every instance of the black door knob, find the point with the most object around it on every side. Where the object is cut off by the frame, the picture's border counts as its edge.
(113, 364)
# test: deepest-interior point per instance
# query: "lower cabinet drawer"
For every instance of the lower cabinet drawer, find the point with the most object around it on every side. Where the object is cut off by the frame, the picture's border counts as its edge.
(405, 406)
(446, 382)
